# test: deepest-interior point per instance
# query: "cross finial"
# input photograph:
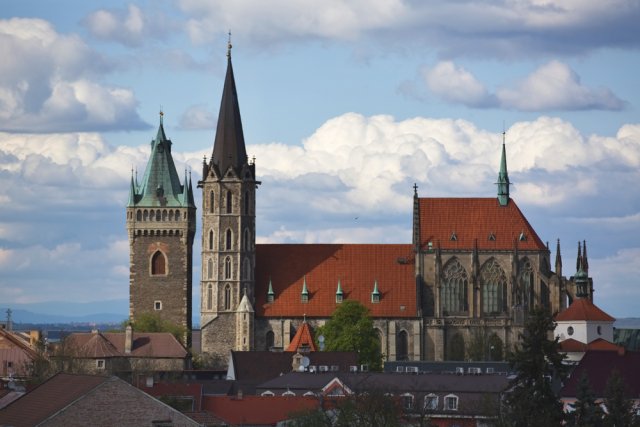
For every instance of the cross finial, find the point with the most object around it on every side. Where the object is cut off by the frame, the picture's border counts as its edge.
(229, 45)
(161, 114)
(415, 189)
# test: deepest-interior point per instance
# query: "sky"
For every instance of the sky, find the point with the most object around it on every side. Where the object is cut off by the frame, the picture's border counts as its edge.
(345, 105)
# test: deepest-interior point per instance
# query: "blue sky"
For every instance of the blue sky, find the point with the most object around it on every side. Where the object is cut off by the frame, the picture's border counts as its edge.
(344, 106)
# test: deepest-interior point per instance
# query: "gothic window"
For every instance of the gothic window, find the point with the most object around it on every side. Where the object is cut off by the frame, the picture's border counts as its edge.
(177, 215)
(158, 215)
(227, 268)
(402, 346)
(210, 240)
(227, 297)
(454, 289)
(170, 215)
(494, 288)
(158, 264)
(211, 201)
(146, 215)
(270, 340)
(210, 269)
(246, 203)
(247, 269)
(228, 240)
(139, 215)
(229, 202)
(164, 214)
(210, 297)
(152, 215)
(527, 298)
(247, 244)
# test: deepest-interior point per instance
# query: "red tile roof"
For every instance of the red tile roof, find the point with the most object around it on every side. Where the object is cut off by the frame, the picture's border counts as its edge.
(48, 398)
(583, 309)
(257, 410)
(302, 340)
(571, 345)
(356, 266)
(111, 344)
(475, 218)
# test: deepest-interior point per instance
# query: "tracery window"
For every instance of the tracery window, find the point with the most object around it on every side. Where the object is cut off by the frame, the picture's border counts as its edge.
(454, 289)
(494, 288)
(212, 201)
(227, 297)
(526, 285)
(227, 268)
(228, 240)
(210, 240)
(229, 202)
(402, 346)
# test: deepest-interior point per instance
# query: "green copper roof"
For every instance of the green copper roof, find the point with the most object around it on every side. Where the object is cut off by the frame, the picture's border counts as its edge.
(305, 291)
(160, 184)
(503, 177)
(375, 288)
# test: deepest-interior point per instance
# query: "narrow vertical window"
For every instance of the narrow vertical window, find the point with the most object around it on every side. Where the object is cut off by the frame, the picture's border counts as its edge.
(210, 269)
(229, 202)
(228, 240)
(227, 297)
(494, 288)
(227, 268)
(210, 297)
(212, 204)
(402, 346)
(158, 264)
(210, 240)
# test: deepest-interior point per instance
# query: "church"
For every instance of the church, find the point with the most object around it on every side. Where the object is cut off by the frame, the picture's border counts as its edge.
(462, 288)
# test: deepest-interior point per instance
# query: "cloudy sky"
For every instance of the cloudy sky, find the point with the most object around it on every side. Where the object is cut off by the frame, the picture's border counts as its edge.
(344, 106)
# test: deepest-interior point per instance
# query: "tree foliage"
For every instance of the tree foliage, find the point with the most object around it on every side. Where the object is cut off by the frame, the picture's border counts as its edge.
(586, 412)
(351, 329)
(531, 400)
(152, 322)
(619, 405)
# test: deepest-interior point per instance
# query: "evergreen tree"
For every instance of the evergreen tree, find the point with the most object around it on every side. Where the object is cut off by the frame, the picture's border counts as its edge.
(531, 400)
(351, 329)
(619, 406)
(587, 413)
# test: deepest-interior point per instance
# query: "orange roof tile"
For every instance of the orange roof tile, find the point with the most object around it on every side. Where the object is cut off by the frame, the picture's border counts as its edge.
(322, 265)
(257, 410)
(111, 344)
(303, 340)
(571, 345)
(583, 309)
(475, 218)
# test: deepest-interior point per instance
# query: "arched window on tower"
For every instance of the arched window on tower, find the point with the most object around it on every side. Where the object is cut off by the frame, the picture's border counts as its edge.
(210, 240)
(210, 269)
(228, 240)
(246, 203)
(227, 268)
(212, 201)
(227, 297)
(229, 202)
(210, 297)
(402, 346)
(493, 281)
(158, 264)
(454, 288)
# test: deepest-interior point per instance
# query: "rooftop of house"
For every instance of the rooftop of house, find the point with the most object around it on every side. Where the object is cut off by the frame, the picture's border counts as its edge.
(572, 346)
(599, 366)
(358, 268)
(112, 344)
(303, 340)
(461, 223)
(582, 309)
(257, 410)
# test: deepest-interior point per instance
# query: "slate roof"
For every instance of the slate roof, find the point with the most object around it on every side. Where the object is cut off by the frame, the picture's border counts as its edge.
(111, 344)
(257, 410)
(357, 266)
(582, 309)
(599, 365)
(303, 340)
(48, 398)
(475, 218)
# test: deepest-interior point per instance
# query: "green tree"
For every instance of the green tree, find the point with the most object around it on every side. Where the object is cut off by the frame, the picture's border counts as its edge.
(351, 329)
(152, 322)
(587, 413)
(619, 406)
(537, 361)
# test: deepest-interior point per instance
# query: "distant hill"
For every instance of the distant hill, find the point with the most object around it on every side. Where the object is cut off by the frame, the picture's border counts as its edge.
(627, 323)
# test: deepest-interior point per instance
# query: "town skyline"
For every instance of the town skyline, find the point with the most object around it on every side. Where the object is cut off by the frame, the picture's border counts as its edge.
(342, 119)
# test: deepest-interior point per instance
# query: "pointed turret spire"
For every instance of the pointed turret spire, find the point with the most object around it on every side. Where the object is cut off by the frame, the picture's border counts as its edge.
(558, 259)
(229, 149)
(579, 258)
(585, 261)
(375, 295)
(304, 295)
(581, 278)
(132, 192)
(503, 176)
(339, 293)
(270, 294)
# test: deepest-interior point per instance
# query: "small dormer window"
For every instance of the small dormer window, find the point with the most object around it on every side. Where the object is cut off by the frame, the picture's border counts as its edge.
(492, 237)
(454, 237)
(522, 237)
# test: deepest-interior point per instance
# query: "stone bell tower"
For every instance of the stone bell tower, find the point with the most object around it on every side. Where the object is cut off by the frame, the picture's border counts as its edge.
(161, 224)
(228, 233)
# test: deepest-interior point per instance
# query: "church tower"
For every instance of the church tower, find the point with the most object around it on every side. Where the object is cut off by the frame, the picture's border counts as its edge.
(161, 224)
(228, 233)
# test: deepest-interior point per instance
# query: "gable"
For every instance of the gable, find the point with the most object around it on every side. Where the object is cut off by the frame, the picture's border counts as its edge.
(458, 223)
(357, 267)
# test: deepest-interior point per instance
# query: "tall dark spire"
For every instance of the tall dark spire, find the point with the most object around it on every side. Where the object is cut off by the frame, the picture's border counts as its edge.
(228, 148)
(581, 278)
(558, 259)
(503, 176)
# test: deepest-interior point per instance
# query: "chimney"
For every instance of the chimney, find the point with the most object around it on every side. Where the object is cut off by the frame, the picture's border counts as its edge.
(128, 339)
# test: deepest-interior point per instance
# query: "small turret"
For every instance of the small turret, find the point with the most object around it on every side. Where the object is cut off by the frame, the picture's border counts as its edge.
(558, 260)
(503, 177)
